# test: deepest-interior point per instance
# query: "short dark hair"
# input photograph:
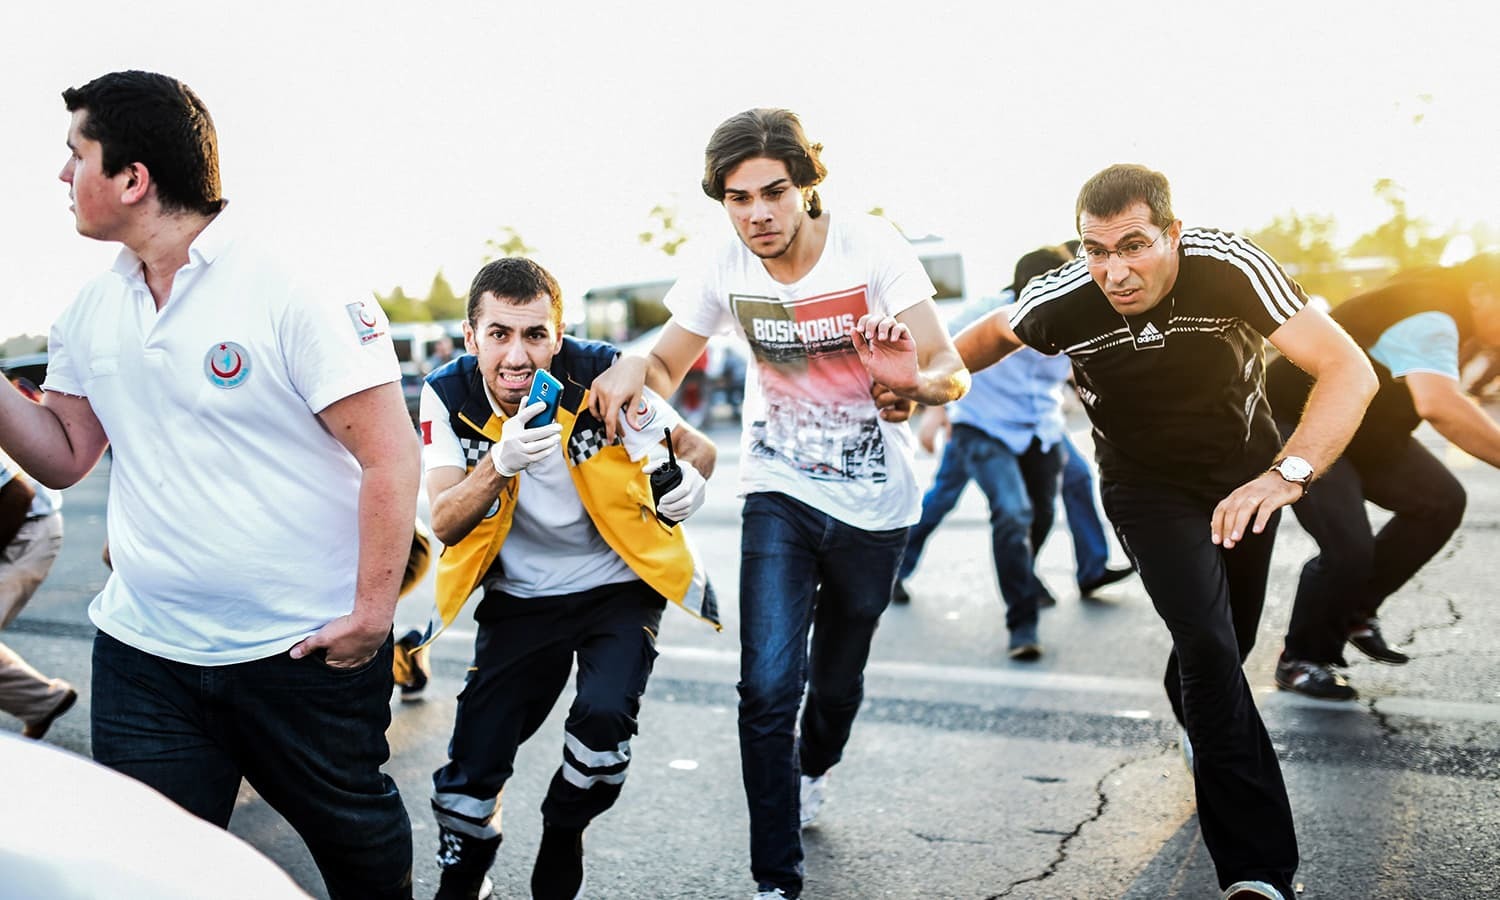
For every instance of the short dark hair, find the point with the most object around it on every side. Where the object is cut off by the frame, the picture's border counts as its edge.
(770, 133)
(1038, 262)
(516, 280)
(157, 121)
(1113, 190)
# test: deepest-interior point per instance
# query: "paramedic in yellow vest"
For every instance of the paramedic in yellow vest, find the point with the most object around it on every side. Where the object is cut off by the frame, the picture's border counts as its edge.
(557, 525)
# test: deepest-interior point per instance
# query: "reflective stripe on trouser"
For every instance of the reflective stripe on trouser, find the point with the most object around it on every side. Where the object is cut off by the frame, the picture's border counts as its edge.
(523, 655)
(474, 816)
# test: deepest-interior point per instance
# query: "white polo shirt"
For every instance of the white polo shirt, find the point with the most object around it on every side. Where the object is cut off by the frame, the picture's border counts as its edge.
(233, 514)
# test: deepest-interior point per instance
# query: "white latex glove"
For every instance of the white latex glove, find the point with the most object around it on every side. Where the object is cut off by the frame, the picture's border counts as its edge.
(683, 500)
(520, 446)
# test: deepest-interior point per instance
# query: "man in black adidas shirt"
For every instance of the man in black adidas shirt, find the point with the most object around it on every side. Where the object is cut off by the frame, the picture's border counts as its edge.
(1164, 327)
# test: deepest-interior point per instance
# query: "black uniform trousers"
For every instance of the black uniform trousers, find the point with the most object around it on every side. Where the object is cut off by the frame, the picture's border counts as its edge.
(523, 654)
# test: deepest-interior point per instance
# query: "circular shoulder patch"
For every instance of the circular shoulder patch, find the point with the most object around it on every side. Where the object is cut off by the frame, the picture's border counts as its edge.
(227, 365)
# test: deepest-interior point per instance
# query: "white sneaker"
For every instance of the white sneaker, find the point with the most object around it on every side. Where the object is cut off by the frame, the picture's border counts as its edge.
(814, 794)
(1252, 890)
(777, 894)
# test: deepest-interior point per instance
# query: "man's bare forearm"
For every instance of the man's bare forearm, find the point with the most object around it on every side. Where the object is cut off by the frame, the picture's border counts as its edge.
(986, 341)
(1335, 407)
(942, 381)
(56, 442)
(387, 514)
(456, 510)
(1467, 426)
(695, 447)
(659, 376)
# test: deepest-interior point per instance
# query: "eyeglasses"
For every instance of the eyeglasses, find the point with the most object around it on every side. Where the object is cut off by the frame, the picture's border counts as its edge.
(1130, 252)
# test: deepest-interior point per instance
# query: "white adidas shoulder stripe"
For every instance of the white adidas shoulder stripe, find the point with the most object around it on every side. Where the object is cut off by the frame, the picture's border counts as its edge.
(1265, 277)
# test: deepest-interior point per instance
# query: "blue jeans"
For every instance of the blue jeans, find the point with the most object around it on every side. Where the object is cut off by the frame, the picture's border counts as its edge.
(1022, 495)
(1090, 547)
(801, 570)
(310, 739)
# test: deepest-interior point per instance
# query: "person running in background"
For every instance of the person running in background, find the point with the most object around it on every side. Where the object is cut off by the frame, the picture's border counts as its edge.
(31, 533)
(1411, 329)
(1006, 434)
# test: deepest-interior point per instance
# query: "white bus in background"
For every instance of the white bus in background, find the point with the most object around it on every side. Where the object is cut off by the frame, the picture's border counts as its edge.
(946, 267)
(630, 316)
(416, 344)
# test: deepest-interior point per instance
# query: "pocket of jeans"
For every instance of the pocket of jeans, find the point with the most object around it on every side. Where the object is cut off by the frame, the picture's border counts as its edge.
(320, 659)
(649, 654)
(895, 537)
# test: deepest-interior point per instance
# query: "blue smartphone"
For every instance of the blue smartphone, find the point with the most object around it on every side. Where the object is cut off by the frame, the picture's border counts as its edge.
(548, 390)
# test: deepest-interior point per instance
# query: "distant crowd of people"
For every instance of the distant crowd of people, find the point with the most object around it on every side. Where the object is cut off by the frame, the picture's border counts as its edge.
(264, 483)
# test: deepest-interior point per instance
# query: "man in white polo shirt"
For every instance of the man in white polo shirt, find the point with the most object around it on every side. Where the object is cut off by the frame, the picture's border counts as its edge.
(261, 501)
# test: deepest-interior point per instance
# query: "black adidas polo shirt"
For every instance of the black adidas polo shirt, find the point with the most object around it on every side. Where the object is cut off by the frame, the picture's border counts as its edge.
(1176, 394)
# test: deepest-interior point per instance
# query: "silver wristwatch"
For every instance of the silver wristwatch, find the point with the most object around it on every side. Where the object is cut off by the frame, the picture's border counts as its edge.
(1294, 469)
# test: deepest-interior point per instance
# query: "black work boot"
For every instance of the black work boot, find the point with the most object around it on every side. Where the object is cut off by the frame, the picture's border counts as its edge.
(558, 874)
(465, 863)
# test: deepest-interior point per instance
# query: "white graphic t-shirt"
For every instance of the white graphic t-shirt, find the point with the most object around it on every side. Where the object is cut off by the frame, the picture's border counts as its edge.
(811, 429)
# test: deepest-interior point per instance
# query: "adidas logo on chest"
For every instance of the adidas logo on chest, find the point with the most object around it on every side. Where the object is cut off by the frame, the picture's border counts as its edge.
(1149, 337)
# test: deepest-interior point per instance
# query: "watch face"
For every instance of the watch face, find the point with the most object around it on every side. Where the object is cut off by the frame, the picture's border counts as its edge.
(1294, 468)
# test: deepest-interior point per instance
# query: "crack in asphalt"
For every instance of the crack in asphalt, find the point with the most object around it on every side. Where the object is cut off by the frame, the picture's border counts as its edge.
(942, 839)
(1067, 836)
(1454, 618)
(1382, 718)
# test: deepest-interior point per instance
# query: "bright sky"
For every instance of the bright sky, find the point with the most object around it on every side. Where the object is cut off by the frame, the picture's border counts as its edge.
(393, 139)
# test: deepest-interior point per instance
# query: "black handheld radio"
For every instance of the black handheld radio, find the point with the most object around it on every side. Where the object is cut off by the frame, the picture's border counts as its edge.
(666, 477)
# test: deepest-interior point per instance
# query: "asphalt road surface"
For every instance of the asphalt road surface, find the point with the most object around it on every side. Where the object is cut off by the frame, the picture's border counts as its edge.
(969, 775)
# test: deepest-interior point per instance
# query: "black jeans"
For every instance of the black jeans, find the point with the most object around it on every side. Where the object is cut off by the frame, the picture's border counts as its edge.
(1357, 568)
(1210, 600)
(522, 657)
(309, 738)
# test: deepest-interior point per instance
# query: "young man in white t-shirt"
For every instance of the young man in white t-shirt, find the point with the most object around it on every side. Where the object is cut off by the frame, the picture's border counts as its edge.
(261, 495)
(826, 304)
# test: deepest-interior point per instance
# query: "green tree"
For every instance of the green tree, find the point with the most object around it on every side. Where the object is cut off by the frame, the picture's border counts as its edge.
(442, 302)
(510, 243)
(401, 308)
(1403, 238)
(665, 234)
(1303, 245)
